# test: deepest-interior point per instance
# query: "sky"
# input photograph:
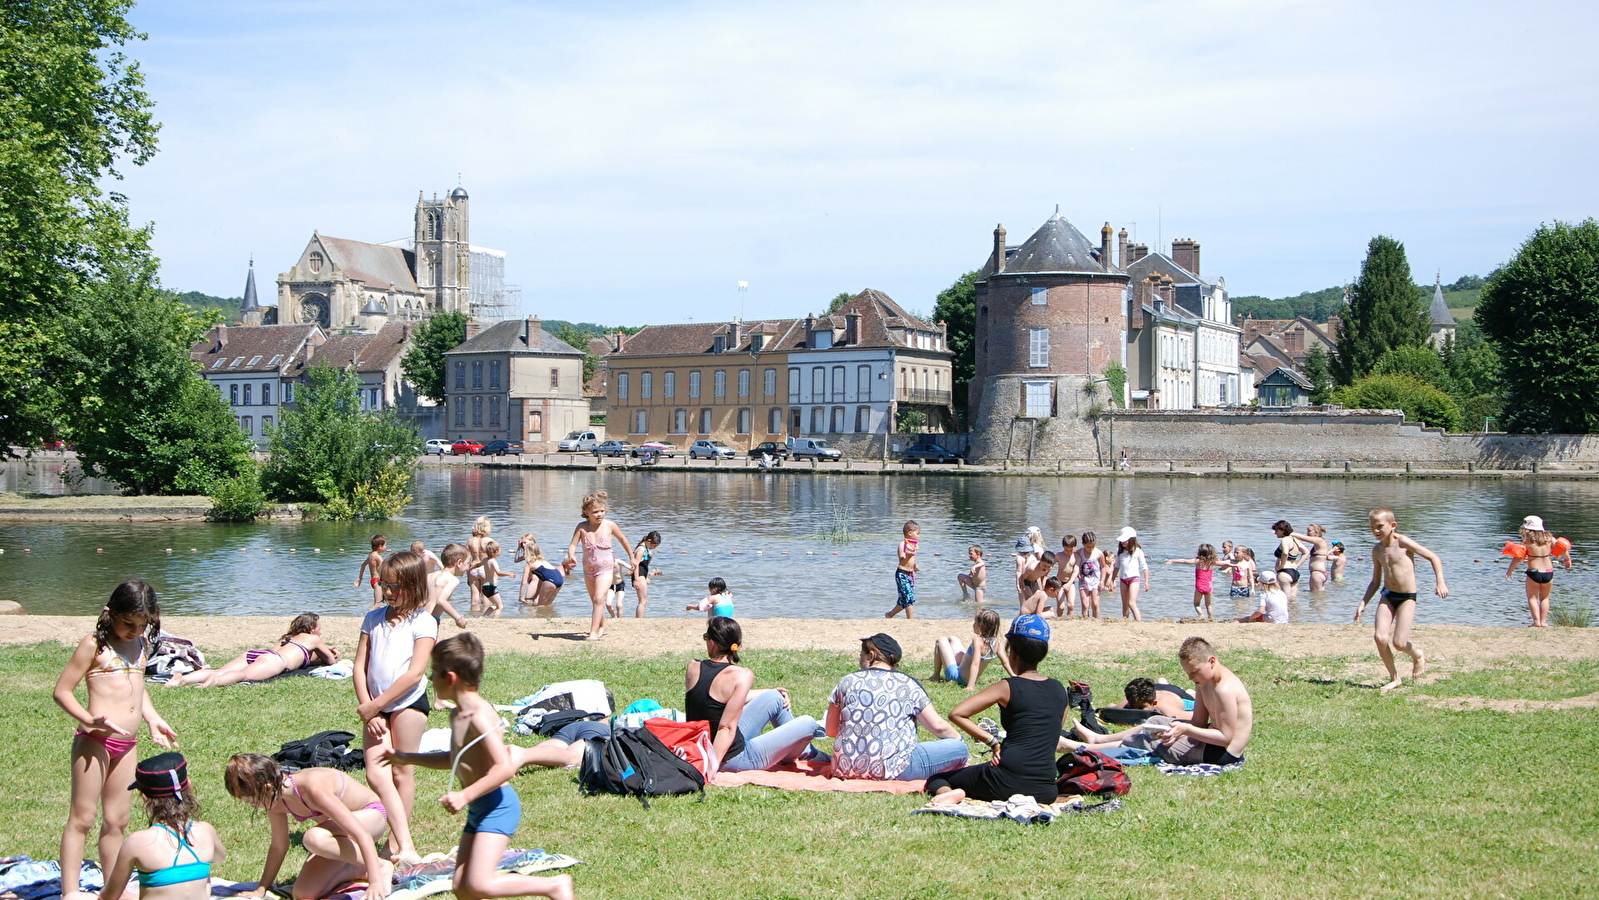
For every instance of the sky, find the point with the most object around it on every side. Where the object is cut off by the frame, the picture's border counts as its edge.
(636, 161)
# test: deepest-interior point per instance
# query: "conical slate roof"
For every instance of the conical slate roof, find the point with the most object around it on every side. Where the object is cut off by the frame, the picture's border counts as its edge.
(1056, 246)
(251, 304)
(1440, 313)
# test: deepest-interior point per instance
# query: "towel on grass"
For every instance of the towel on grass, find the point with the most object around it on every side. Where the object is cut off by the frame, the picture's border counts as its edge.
(1202, 770)
(339, 671)
(1019, 808)
(24, 878)
(808, 776)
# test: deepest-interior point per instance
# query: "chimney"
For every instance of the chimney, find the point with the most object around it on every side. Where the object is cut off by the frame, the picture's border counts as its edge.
(1104, 248)
(1138, 252)
(472, 329)
(852, 328)
(810, 329)
(1121, 249)
(531, 333)
(999, 248)
(734, 338)
(1185, 253)
(619, 339)
(222, 336)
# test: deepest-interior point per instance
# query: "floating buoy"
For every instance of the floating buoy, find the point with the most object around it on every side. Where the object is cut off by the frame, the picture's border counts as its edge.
(835, 552)
(734, 552)
(316, 549)
(169, 550)
(27, 549)
(810, 552)
(192, 550)
(293, 550)
(757, 553)
(97, 550)
(1476, 560)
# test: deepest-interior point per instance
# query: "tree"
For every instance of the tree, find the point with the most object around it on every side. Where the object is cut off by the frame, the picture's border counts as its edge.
(1419, 362)
(580, 340)
(1318, 370)
(1386, 310)
(327, 450)
(956, 307)
(71, 106)
(424, 364)
(837, 303)
(141, 415)
(1541, 313)
(1418, 400)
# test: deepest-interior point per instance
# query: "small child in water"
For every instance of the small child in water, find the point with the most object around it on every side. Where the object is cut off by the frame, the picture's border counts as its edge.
(905, 573)
(976, 578)
(1204, 563)
(719, 603)
(369, 565)
(490, 586)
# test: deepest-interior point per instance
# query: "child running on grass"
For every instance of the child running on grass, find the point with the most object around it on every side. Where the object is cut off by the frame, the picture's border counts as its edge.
(441, 584)
(478, 754)
(905, 573)
(719, 603)
(598, 537)
(965, 667)
(110, 664)
(1393, 569)
(175, 854)
(975, 578)
(390, 663)
(370, 564)
(1204, 563)
(301, 646)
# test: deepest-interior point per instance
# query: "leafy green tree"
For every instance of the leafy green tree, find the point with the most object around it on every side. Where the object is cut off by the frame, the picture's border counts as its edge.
(1318, 370)
(72, 105)
(1386, 310)
(1419, 362)
(1541, 313)
(1419, 401)
(141, 415)
(837, 303)
(580, 339)
(326, 447)
(956, 307)
(424, 364)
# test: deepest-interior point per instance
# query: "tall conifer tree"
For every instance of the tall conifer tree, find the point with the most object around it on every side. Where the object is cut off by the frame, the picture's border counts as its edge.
(1385, 310)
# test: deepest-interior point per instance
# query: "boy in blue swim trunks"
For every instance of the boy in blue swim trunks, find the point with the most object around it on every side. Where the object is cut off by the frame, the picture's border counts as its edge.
(905, 574)
(479, 755)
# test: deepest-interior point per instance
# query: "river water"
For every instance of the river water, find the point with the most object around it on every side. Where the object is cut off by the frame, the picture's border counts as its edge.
(815, 545)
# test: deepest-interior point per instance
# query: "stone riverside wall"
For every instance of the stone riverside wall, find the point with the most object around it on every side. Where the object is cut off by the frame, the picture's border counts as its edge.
(1273, 436)
(871, 446)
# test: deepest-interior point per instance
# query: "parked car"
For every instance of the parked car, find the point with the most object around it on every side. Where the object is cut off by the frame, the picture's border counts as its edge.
(500, 448)
(710, 450)
(466, 448)
(659, 448)
(930, 452)
(578, 442)
(813, 448)
(437, 446)
(770, 448)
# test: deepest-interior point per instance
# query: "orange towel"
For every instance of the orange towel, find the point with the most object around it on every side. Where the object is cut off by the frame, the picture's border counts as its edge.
(803, 776)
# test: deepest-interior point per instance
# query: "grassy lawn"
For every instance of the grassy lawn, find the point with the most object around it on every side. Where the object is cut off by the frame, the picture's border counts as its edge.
(1347, 793)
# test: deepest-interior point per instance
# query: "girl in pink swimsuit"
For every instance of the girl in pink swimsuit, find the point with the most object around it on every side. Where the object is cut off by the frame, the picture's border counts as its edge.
(596, 533)
(1204, 563)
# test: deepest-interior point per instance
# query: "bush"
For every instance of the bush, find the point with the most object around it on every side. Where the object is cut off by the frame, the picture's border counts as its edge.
(1116, 382)
(1419, 401)
(1421, 363)
(238, 499)
(384, 496)
(327, 448)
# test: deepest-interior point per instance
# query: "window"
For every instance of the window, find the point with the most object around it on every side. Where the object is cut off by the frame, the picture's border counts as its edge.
(477, 375)
(822, 340)
(247, 425)
(774, 421)
(743, 421)
(460, 376)
(719, 345)
(266, 425)
(235, 363)
(494, 374)
(219, 362)
(818, 383)
(744, 384)
(266, 395)
(477, 411)
(460, 414)
(621, 386)
(793, 385)
(233, 395)
(555, 379)
(863, 382)
(247, 395)
(719, 382)
(838, 383)
(817, 420)
(757, 342)
(288, 392)
(1036, 399)
(863, 419)
(646, 384)
(770, 382)
(693, 385)
(1040, 296)
(315, 261)
(669, 385)
(680, 421)
(255, 360)
(494, 411)
(641, 422)
(274, 360)
(1038, 347)
(705, 421)
(837, 425)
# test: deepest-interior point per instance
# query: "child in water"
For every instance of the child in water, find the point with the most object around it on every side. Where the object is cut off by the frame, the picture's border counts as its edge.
(975, 578)
(905, 573)
(719, 603)
(1204, 563)
(369, 565)
(598, 536)
(1540, 548)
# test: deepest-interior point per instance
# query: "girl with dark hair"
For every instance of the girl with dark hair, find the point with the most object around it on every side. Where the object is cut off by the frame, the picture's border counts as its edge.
(110, 664)
(717, 691)
(302, 646)
(390, 663)
(1032, 707)
(175, 854)
(643, 556)
(1289, 552)
(1132, 571)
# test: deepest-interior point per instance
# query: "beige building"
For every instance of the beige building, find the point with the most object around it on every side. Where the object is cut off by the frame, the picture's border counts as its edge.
(514, 381)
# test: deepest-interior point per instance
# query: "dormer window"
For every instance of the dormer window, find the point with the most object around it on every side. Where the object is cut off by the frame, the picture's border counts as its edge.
(822, 340)
(235, 363)
(757, 341)
(255, 360)
(719, 345)
(315, 261)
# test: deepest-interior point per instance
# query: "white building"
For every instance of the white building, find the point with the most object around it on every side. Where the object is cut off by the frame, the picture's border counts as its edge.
(255, 368)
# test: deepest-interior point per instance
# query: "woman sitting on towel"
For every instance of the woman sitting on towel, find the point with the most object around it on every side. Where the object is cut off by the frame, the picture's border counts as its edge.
(1032, 707)
(873, 719)
(302, 646)
(717, 690)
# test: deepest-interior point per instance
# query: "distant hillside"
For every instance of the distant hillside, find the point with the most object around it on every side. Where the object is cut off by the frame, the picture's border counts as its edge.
(1318, 305)
(229, 307)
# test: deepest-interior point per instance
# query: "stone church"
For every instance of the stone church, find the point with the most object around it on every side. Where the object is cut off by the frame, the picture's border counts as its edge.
(340, 283)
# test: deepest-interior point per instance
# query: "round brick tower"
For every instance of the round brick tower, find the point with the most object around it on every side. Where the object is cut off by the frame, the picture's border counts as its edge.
(1051, 315)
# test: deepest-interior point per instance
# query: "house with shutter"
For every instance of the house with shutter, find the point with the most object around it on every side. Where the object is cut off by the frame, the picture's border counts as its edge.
(255, 369)
(514, 381)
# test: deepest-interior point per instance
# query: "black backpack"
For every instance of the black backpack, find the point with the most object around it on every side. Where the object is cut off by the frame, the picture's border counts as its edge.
(327, 749)
(633, 761)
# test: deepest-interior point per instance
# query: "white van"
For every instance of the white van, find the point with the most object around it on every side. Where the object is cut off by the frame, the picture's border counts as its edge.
(578, 442)
(812, 448)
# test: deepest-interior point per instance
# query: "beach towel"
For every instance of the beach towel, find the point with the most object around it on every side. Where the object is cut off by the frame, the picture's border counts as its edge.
(339, 671)
(1019, 808)
(587, 695)
(24, 878)
(432, 876)
(1201, 770)
(809, 776)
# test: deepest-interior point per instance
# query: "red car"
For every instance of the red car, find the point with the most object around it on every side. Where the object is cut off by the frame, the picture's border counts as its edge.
(466, 448)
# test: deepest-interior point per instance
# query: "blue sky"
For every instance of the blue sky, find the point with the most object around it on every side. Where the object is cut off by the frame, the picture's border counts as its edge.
(637, 160)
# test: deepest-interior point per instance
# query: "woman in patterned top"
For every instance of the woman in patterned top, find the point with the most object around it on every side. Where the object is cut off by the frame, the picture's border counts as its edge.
(873, 718)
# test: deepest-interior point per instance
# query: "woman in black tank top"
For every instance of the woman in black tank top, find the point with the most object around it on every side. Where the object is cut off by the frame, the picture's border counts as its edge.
(1032, 707)
(739, 719)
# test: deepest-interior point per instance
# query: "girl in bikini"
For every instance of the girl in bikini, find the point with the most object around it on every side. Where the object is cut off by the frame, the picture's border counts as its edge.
(175, 854)
(598, 537)
(965, 667)
(302, 646)
(642, 560)
(349, 818)
(110, 664)
(1540, 546)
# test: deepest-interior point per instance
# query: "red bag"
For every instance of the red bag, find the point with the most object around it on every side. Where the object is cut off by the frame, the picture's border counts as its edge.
(690, 741)
(1091, 772)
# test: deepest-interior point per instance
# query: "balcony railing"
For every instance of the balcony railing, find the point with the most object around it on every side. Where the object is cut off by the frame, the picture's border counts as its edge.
(922, 397)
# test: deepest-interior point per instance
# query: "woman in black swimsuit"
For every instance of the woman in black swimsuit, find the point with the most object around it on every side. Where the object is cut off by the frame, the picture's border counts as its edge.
(1289, 551)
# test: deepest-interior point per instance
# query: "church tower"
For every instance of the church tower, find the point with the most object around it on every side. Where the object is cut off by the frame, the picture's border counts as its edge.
(250, 310)
(444, 251)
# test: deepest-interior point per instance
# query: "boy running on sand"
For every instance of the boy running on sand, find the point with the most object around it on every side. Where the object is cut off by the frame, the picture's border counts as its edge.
(905, 574)
(370, 565)
(1394, 571)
